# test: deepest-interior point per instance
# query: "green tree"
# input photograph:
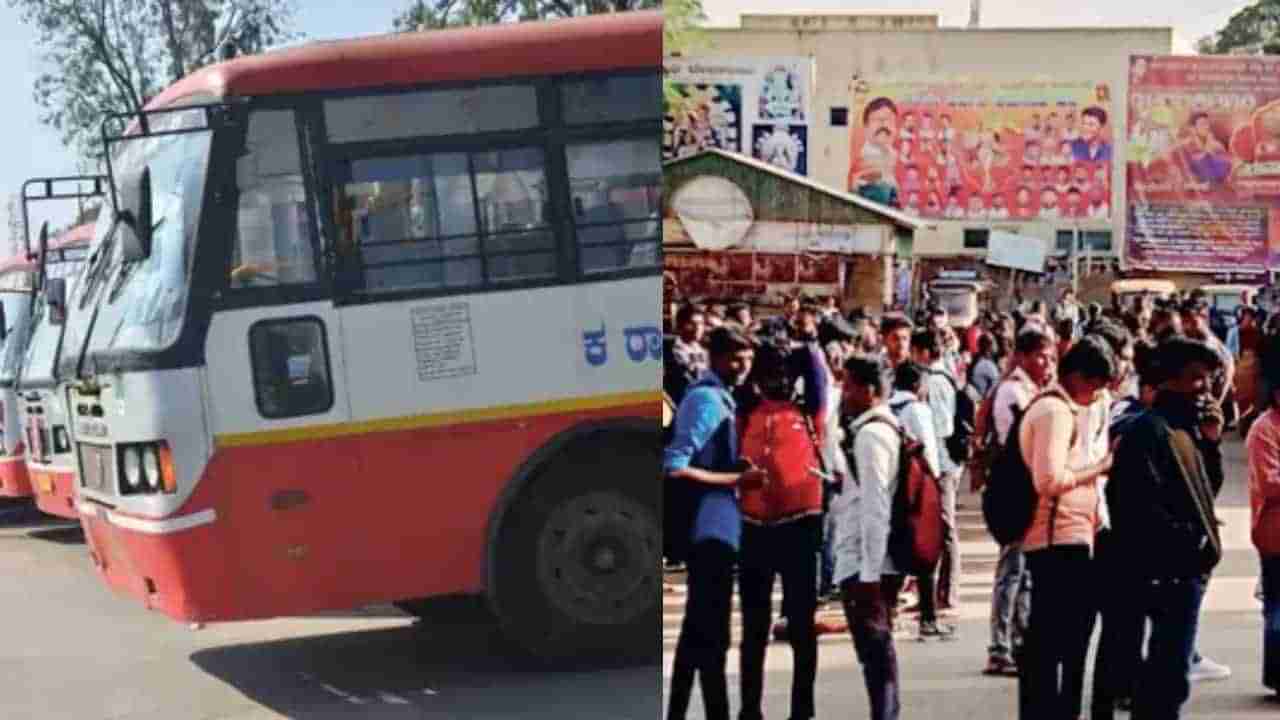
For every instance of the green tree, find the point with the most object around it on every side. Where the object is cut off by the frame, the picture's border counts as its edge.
(680, 34)
(1254, 29)
(111, 56)
(433, 14)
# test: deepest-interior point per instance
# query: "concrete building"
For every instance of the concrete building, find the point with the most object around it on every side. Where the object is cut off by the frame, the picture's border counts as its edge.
(1017, 72)
(741, 230)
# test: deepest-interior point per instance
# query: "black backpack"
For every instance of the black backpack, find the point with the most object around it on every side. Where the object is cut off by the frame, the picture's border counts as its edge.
(1010, 499)
(959, 445)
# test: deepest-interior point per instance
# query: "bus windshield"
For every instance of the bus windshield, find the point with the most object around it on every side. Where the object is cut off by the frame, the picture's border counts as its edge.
(140, 304)
(958, 302)
(16, 305)
(38, 368)
(80, 295)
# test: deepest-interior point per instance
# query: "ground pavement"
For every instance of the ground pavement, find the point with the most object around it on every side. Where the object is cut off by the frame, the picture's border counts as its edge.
(944, 679)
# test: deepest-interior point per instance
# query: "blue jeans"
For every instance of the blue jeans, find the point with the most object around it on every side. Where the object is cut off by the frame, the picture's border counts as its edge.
(1173, 608)
(1010, 604)
(1271, 623)
(827, 558)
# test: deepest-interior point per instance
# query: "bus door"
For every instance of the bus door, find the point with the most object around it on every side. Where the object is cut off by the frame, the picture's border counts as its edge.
(276, 371)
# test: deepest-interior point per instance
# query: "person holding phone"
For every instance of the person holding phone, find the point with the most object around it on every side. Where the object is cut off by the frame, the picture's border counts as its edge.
(702, 465)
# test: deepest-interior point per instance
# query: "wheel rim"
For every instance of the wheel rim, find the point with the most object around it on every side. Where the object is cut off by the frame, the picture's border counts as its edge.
(598, 558)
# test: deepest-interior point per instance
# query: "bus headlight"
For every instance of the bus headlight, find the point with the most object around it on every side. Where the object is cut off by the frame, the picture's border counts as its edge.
(133, 467)
(151, 466)
(146, 469)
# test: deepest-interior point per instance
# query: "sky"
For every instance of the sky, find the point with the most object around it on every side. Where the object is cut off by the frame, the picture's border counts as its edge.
(28, 149)
(1191, 19)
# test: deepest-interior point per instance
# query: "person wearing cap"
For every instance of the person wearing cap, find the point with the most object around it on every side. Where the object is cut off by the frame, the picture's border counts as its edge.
(702, 463)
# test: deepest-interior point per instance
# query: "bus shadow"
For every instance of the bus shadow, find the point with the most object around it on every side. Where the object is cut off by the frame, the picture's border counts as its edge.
(371, 611)
(418, 671)
(22, 514)
(62, 535)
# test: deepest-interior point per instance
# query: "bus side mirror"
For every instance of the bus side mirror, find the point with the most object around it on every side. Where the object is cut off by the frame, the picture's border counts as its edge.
(136, 244)
(44, 239)
(55, 295)
(4, 325)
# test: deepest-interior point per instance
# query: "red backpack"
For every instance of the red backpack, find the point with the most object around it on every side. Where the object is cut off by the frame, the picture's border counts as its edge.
(778, 438)
(915, 526)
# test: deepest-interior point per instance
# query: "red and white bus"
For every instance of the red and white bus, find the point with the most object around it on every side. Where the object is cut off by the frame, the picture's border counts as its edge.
(394, 336)
(17, 277)
(45, 422)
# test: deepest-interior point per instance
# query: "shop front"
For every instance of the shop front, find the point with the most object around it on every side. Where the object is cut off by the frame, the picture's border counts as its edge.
(738, 230)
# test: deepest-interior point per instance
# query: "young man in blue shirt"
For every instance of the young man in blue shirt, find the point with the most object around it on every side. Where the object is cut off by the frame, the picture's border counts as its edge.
(702, 462)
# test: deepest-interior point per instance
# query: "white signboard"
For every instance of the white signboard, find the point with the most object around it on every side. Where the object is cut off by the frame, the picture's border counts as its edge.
(793, 237)
(757, 106)
(715, 213)
(1019, 252)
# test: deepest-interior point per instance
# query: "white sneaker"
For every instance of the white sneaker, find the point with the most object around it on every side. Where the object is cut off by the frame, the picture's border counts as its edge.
(1207, 669)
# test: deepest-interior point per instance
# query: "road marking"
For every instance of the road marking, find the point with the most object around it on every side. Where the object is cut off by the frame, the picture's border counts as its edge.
(345, 696)
(391, 698)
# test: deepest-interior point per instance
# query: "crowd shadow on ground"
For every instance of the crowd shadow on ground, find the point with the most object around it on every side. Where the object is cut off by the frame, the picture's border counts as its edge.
(424, 669)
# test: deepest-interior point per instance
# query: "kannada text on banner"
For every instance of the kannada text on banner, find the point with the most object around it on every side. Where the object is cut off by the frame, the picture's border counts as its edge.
(1203, 163)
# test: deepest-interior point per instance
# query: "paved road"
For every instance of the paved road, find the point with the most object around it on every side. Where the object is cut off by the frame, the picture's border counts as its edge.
(71, 649)
(944, 680)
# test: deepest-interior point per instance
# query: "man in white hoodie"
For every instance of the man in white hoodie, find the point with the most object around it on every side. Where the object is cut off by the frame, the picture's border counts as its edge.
(863, 509)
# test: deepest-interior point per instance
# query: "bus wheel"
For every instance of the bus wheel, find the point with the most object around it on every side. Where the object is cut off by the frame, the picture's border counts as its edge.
(579, 560)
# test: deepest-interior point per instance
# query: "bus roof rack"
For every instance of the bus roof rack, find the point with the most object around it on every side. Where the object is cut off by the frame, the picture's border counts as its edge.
(46, 188)
(215, 115)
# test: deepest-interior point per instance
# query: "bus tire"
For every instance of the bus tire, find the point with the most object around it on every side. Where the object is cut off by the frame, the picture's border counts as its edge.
(578, 559)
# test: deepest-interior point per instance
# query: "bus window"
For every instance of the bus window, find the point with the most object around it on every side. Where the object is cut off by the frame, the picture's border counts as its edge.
(615, 188)
(414, 219)
(273, 237)
(519, 243)
(611, 99)
(431, 113)
(290, 367)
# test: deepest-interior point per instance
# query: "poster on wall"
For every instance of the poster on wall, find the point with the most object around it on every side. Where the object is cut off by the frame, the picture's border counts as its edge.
(757, 106)
(1203, 158)
(972, 150)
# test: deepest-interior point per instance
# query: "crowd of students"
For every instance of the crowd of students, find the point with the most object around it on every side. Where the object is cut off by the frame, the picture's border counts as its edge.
(787, 447)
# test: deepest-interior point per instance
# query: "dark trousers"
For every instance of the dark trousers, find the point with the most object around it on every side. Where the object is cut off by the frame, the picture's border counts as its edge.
(1271, 623)
(1058, 633)
(1120, 638)
(867, 608)
(928, 584)
(704, 635)
(785, 550)
(1173, 607)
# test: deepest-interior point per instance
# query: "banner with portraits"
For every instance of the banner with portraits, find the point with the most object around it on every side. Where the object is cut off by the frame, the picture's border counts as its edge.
(971, 150)
(757, 106)
(1203, 154)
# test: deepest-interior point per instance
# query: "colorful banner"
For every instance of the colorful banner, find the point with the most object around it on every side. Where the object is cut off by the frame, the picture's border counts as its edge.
(979, 151)
(758, 106)
(1203, 163)
(746, 275)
